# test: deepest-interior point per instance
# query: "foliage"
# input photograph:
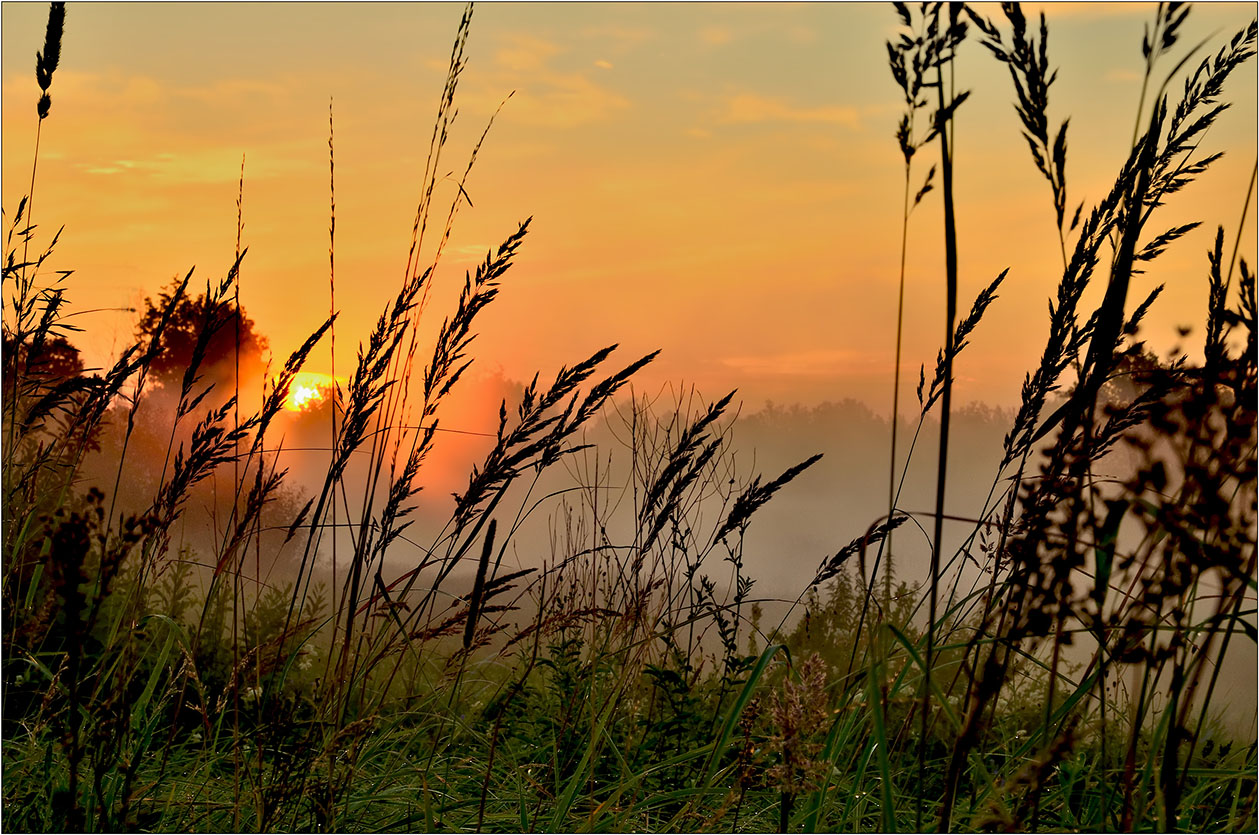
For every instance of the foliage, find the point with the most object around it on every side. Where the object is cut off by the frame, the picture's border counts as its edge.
(206, 331)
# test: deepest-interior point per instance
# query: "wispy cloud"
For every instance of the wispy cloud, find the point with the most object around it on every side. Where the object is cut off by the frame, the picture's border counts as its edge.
(619, 37)
(802, 34)
(815, 363)
(1123, 75)
(113, 89)
(132, 115)
(1088, 11)
(524, 53)
(565, 101)
(206, 165)
(716, 35)
(750, 107)
(546, 95)
(469, 253)
(233, 90)
(116, 167)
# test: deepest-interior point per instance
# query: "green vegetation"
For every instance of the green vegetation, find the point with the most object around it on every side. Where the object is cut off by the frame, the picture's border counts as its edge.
(1056, 672)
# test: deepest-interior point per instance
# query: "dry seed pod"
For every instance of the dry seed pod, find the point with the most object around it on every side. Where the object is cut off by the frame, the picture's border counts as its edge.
(46, 61)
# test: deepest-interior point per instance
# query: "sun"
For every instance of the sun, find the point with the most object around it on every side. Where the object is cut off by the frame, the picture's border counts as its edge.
(308, 390)
(303, 397)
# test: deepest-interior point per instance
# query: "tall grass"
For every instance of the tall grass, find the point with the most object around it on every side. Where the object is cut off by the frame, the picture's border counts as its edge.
(1056, 671)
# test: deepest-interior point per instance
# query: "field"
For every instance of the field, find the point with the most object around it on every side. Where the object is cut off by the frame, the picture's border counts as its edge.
(201, 635)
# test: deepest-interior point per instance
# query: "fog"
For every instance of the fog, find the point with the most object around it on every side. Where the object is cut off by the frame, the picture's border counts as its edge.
(550, 516)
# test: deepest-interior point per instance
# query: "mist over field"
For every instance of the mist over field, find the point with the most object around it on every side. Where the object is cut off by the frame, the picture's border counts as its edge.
(833, 504)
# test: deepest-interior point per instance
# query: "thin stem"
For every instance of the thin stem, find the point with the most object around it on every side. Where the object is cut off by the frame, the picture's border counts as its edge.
(896, 390)
(332, 311)
(1241, 225)
(950, 268)
(23, 291)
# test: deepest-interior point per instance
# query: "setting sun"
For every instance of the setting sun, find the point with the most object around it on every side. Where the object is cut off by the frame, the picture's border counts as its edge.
(309, 389)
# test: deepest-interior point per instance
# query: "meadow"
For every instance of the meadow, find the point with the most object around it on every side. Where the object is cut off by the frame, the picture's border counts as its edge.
(194, 639)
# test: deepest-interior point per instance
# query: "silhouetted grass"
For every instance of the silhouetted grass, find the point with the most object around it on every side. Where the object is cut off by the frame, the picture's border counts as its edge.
(1057, 671)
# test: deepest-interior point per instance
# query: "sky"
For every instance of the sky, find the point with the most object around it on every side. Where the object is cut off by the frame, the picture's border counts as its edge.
(720, 181)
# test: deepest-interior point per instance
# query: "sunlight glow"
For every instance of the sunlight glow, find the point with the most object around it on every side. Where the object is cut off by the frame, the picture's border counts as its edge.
(308, 391)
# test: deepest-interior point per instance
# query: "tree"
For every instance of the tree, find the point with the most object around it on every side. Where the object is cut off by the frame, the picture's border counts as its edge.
(52, 360)
(202, 332)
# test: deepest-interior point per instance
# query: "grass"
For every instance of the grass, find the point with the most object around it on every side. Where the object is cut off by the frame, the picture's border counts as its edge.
(157, 678)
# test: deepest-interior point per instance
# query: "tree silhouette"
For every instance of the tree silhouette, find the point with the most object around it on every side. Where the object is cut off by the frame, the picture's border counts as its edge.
(52, 360)
(201, 334)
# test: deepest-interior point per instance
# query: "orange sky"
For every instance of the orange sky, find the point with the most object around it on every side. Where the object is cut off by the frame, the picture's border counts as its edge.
(720, 181)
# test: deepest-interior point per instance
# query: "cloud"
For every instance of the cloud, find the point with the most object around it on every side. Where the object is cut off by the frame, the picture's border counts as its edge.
(716, 35)
(525, 53)
(469, 253)
(1122, 75)
(114, 89)
(207, 165)
(549, 96)
(746, 108)
(1086, 11)
(125, 124)
(565, 101)
(618, 37)
(231, 91)
(802, 34)
(816, 363)
(116, 167)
